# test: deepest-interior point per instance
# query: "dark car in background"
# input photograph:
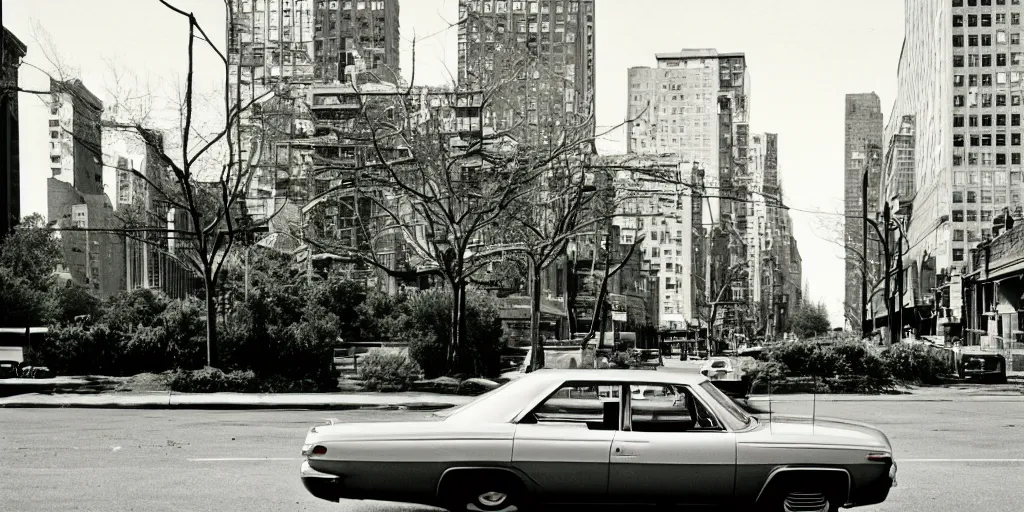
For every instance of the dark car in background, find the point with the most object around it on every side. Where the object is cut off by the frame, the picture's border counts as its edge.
(988, 367)
(9, 370)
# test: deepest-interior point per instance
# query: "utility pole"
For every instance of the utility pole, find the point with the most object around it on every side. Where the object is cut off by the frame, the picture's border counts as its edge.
(886, 243)
(864, 264)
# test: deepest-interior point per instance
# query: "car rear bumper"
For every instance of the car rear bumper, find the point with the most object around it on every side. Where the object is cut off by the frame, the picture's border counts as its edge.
(322, 485)
(877, 491)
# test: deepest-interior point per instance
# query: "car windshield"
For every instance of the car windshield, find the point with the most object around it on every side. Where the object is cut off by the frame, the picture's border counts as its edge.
(738, 418)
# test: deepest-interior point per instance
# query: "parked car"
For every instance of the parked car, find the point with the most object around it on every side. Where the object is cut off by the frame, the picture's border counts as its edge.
(982, 366)
(584, 436)
(36, 372)
(718, 368)
(9, 370)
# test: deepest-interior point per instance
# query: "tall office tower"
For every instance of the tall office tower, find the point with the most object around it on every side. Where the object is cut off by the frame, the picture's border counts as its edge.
(548, 45)
(695, 104)
(960, 76)
(10, 169)
(368, 28)
(863, 153)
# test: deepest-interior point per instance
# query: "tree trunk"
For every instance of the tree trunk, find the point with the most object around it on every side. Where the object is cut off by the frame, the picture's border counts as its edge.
(711, 326)
(536, 347)
(211, 320)
(458, 312)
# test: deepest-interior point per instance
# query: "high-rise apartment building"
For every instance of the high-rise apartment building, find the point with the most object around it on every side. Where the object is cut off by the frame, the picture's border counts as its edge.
(549, 45)
(76, 139)
(270, 43)
(10, 167)
(863, 153)
(367, 27)
(135, 170)
(664, 212)
(694, 104)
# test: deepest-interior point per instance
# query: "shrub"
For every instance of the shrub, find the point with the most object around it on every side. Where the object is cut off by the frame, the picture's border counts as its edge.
(81, 350)
(387, 370)
(212, 380)
(480, 353)
(915, 364)
(838, 367)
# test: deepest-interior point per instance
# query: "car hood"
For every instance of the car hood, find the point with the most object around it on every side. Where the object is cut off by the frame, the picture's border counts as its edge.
(426, 430)
(818, 430)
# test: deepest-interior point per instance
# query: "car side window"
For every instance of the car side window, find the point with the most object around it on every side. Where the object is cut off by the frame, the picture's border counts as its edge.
(588, 405)
(667, 408)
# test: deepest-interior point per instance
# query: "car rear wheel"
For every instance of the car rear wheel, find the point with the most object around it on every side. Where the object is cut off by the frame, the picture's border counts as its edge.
(500, 494)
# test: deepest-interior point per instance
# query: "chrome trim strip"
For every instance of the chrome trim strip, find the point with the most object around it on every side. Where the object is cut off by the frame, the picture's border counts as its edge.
(305, 471)
(777, 471)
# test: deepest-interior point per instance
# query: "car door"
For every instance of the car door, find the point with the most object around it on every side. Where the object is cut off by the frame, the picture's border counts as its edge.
(563, 444)
(665, 453)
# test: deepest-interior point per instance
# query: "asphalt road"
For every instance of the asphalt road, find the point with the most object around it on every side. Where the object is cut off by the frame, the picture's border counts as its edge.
(953, 456)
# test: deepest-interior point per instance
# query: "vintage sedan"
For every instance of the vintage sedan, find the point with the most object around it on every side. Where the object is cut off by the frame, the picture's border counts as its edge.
(600, 437)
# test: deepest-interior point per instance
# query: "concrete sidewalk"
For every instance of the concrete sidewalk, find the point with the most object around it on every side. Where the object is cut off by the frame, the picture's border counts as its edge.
(164, 400)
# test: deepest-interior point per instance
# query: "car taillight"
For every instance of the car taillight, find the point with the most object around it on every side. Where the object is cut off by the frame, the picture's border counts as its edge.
(880, 457)
(308, 450)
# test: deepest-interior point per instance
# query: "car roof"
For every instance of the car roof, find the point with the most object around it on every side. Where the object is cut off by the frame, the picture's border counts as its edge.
(652, 377)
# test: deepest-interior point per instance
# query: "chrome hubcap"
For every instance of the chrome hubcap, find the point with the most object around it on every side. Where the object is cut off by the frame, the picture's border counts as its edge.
(492, 499)
(806, 502)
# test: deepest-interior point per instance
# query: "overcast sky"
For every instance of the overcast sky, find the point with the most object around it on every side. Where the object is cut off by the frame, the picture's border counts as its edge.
(803, 58)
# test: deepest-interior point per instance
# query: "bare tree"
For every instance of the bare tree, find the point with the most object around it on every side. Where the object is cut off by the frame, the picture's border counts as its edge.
(202, 176)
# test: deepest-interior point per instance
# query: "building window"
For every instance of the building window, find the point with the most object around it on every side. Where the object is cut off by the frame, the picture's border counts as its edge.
(1000, 100)
(986, 20)
(958, 121)
(972, 216)
(1014, 159)
(972, 197)
(972, 40)
(986, 120)
(1000, 59)
(1000, 158)
(958, 196)
(986, 39)
(986, 215)
(1015, 18)
(986, 197)
(1015, 38)
(958, 80)
(958, 254)
(1000, 18)
(958, 215)
(958, 100)
(986, 61)
(1000, 139)
(973, 121)
(958, 235)
(958, 20)
(986, 80)
(958, 178)
(975, 140)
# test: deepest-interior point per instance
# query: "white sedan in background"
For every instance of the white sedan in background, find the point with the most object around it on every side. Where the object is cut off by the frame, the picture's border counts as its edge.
(719, 368)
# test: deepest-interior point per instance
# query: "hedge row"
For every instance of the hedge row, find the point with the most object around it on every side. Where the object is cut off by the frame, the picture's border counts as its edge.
(845, 366)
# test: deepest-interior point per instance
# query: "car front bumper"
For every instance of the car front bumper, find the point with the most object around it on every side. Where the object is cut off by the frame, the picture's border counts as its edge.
(322, 485)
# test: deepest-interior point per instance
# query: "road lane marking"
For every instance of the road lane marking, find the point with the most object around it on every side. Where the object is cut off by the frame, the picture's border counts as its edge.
(244, 459)
(898, 460)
